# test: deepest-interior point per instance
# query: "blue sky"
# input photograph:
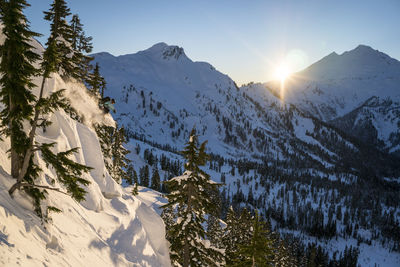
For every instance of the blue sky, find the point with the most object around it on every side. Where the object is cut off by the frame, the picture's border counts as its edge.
(246, 39)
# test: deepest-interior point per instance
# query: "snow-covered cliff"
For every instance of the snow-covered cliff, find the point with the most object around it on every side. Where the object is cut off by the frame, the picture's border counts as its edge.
(110, 228)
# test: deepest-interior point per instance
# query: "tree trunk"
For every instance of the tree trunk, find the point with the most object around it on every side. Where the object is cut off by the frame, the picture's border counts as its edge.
(186, 248)
(15, 159)
(29, 151)
(186, 254)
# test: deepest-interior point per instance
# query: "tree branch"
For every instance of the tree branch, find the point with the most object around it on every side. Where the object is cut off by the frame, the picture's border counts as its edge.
(19, 185)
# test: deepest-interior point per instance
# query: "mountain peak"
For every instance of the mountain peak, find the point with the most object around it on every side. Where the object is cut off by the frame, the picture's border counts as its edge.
(104, 55)
(157, 47)
(361, 62)
(362, 47)
(165, 51)
(363, 50)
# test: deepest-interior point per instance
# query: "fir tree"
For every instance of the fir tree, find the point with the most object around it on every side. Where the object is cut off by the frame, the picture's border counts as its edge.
(97, 82)
(17, 58)
(118, 153)
(132, 179)
(155, 180)
(237, 232)
(169, 217)
(82, 45)
(105, 134)
(112, 141)
(215, 232)
(190, 197)
(144, 176)
(259, 251)
(283, 256)
(59, 53)
(16, 65)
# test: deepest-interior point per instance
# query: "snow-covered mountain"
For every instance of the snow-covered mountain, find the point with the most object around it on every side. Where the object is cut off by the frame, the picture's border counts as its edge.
(338, 86)
(161, 94)
(377, 121)
(344, 82)
(266, 151)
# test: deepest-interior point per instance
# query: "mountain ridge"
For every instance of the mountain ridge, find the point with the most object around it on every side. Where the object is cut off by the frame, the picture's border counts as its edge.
(260, 146)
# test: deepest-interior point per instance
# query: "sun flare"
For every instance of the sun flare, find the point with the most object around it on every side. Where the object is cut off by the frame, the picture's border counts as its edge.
(282, 72)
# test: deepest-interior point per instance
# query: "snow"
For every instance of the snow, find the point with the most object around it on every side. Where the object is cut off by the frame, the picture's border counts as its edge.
(338, 84)
(109, 228)
(126, 233)
(189, 91)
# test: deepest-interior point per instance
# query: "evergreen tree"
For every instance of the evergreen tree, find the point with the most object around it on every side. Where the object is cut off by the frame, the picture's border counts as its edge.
(118, 153)
(144, 176)
(215, 232)
(132, 175)
(132, 179)
(283, 256)
(190, 197)
(21, 105)
(237, 232)
(105, 134)
(155, 180)
(17, 58)
(58, 56)
(259, 251)
(82, 45)
(169, 217)
(112, 141)
(97, 82)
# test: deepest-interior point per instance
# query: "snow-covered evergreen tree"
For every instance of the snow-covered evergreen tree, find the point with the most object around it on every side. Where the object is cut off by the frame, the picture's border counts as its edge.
(169, 217)
(283, 256)
(215, 232)
(22, 106)
(237, 232)
(259, 250)
(189, 196)
(112, 141)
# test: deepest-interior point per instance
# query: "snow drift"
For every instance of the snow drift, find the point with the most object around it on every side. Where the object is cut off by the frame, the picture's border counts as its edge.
(110, 228)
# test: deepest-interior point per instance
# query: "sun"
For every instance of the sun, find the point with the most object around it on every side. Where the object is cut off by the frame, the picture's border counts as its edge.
(282, 72)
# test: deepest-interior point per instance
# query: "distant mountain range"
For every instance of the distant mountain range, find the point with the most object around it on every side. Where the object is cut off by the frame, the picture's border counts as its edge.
(338, 90)
(334, 139)
(358, 91)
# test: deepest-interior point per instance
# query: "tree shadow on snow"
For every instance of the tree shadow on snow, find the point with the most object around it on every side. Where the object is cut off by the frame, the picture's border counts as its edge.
(4, 240)
(132, 243)
(13, 209)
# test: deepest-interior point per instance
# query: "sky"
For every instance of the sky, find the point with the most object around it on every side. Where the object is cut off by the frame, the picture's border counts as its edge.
(245, 39)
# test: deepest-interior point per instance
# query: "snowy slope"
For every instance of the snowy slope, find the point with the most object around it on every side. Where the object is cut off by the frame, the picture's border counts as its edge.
(338, 85)
(161, 94)
(109, 228)
(272, 149)
(377, 121)
(344, 82)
